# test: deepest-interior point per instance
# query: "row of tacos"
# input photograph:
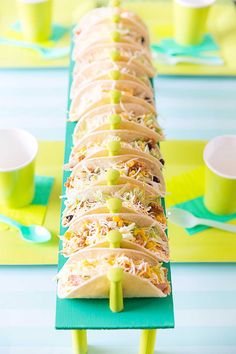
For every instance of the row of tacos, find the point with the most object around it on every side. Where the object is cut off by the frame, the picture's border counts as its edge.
(115, 167)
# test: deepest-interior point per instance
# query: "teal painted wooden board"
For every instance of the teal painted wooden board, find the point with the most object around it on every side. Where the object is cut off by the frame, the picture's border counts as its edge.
(95, 313)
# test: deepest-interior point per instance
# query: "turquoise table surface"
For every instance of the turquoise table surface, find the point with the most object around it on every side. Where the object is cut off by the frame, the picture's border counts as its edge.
(204, 294)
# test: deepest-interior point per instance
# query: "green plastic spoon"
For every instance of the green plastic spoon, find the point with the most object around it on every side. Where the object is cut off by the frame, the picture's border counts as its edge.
(186, 219)
(32, 233)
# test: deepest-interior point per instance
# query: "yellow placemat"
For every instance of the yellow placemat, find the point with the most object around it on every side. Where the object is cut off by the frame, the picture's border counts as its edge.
(14, 250)
(211, 245)
(158, 17)
(181, 188)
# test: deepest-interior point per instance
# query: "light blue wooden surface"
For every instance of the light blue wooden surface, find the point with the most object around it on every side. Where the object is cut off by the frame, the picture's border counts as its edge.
(204, 294)
(189, 108)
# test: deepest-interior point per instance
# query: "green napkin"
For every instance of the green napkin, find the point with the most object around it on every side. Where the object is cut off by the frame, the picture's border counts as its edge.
(35, 212)
(58, 31)
(46, 49)
(185, 191)
(170, 53)
(172, 48)
(197, 208)
(43, 186)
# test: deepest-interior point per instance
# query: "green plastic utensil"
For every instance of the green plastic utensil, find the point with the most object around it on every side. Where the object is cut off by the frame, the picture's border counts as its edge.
(186, 219)
(32, 233)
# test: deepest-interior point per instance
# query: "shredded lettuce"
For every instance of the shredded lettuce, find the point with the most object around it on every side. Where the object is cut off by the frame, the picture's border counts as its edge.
(142, 144)
(134, 198)
(89, 233)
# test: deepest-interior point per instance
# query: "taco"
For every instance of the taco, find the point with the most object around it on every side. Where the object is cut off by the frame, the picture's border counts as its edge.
(96, 70)
(98, 144)
(90, 172)
(95, 200)
(107, 33)
(107, 117)
(94, 73)
(139, 233)
(95, 93)
(124, 103)
(84, 275)
(106, 15)
(121, 52)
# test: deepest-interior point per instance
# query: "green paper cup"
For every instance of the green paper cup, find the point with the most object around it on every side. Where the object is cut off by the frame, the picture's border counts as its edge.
(17, 161)
(220, 177)
(190, 18)
(36, 19)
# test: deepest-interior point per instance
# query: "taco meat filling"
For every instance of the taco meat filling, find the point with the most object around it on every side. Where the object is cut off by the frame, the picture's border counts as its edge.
(77, 273)
(91, 232)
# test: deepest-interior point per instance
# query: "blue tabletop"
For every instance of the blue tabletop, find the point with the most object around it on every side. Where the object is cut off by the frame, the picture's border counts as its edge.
(204, 294)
